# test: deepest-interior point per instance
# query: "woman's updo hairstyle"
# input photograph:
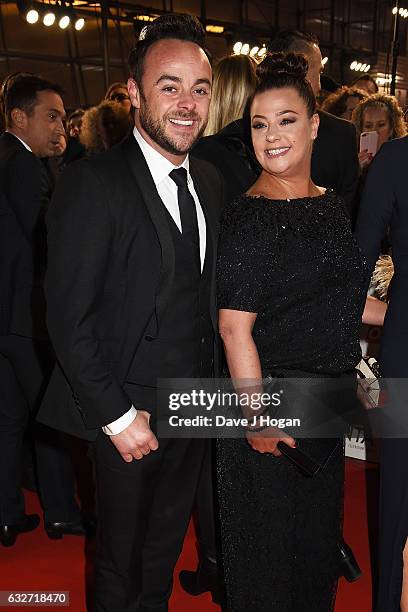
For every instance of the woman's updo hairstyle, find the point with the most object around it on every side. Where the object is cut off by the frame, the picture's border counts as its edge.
(279, 70)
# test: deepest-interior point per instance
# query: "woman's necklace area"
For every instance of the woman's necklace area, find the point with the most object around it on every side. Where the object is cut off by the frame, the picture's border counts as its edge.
(313, 192)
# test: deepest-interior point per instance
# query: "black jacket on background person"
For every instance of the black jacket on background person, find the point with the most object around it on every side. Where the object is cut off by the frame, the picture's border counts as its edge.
(24, 196)
(335, 158)
(229, 152)
(26, 356)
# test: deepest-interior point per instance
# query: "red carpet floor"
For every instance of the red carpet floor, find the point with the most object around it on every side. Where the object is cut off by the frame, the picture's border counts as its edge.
(37, 563)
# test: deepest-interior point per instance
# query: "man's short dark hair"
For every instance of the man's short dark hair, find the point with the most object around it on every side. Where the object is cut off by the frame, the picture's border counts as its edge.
(368, 78)
(181, 27)
(290, 40)
(22, 93)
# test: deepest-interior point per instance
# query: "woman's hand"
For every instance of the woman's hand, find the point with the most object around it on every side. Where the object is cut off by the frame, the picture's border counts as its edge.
(266, 441)
(365, 158)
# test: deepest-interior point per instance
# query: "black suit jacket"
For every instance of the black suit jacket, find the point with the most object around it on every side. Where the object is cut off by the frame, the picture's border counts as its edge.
(24, 193)
(111, 267)
(335, 157)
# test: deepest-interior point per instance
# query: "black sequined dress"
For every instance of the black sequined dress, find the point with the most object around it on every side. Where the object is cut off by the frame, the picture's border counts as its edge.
(296, 264)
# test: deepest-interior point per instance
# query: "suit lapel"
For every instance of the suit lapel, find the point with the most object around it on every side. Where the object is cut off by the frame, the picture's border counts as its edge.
(156, 209)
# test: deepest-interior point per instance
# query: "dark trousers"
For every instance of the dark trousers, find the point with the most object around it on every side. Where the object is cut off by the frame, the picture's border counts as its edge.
(143, 512)
(24, 369)
(207, 523)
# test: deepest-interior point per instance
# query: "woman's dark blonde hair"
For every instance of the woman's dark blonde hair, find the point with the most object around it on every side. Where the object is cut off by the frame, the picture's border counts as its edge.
(104, 126)
(394, 111)
(234, 82)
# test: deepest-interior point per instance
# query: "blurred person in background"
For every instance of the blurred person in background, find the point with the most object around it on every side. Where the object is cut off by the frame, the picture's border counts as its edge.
(342, 102)
(74, 123)
(384, 211)
(74, 149)
(35, 116)
(224, 143)
(118, 92)
(382, 114)
(367, 83)
(103, 126)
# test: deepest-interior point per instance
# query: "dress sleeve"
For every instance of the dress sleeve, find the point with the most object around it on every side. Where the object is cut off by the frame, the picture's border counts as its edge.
(377, 204)
(240, 266)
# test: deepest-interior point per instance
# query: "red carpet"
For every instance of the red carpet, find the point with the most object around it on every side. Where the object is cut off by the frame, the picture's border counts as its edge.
(37, 563)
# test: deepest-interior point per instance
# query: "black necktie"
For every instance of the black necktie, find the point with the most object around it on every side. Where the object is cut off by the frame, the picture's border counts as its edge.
(187, 209)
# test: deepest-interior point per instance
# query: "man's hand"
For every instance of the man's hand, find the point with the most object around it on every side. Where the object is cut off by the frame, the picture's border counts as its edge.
(137, 440)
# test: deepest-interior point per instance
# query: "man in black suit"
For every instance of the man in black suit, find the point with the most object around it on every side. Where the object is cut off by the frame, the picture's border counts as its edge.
(34, 122)
(131, 299)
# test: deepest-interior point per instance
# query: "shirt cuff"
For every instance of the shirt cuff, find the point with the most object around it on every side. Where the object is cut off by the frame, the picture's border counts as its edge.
(121, 423)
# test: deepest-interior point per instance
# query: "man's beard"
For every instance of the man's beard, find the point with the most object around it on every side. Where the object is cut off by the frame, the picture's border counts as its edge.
(156, 129)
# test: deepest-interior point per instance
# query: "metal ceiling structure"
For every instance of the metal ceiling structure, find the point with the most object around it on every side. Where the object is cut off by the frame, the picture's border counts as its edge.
(86, 61)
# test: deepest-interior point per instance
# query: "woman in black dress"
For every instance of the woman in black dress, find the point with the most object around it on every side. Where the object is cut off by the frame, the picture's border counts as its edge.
(291, 294)
(384, 207)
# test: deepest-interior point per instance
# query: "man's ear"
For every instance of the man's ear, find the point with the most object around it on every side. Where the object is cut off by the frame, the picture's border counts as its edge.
(19, 118)
(315, 121)
(134, 93)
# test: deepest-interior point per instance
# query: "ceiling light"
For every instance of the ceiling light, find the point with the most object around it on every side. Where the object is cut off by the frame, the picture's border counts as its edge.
(214, 29)
(79, 24)
(395, 10)
(353, 65)
(49, 19)
(237, 47)
(254, 51)
(32, 16)
(262, 51)
(64, 22)
(245, 49)
(325, 60)
(145, 17)
(367, 68)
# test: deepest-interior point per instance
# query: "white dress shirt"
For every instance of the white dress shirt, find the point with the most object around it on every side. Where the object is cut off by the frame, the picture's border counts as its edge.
(160, 168)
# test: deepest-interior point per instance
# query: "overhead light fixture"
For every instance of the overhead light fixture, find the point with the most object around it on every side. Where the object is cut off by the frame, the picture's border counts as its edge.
(262, 51)
(254, 51)
(395, 10)
(64, 22)
(214, 29)
(359, 66)
(32, 16)
(245, 49)
(49, 19)
(325, 60)
(145, 17)
(237, 47)
(79, 24)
